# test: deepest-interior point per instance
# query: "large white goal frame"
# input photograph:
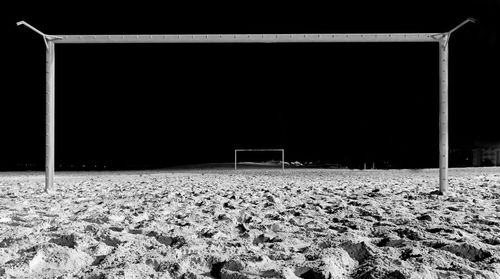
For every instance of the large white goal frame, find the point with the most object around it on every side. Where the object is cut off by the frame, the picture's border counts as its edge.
(441, 38)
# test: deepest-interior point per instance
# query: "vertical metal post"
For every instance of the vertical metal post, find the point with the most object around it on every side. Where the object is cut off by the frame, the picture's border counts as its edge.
(49, 116)
(235, 158)
(443, 114)
(283, 159)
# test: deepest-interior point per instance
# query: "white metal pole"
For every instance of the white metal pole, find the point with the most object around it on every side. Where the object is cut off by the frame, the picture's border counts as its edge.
(49, 116)
(443, 114)
(235, 159)
(283, 159)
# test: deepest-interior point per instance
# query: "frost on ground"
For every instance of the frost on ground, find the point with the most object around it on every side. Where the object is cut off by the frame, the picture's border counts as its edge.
(251, 224)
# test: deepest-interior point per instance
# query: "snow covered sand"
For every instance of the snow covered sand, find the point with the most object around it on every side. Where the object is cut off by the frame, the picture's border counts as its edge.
(251, 224)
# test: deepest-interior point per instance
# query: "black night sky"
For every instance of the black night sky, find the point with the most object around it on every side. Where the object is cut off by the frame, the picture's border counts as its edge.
(158, 105)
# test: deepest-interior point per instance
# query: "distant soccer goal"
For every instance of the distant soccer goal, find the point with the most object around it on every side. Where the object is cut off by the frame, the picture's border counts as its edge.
(259, 150)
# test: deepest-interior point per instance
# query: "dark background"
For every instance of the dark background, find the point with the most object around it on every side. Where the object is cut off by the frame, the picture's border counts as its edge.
(157, 105)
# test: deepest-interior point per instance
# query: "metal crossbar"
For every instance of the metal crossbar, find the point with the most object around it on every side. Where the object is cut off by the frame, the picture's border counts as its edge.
(247, 38)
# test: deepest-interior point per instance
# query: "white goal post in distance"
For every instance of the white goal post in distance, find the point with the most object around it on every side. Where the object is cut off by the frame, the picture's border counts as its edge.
(441, 38)
(259, 150)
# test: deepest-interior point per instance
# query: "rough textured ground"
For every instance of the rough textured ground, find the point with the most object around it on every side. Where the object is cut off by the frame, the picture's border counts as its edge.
(251, 224)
